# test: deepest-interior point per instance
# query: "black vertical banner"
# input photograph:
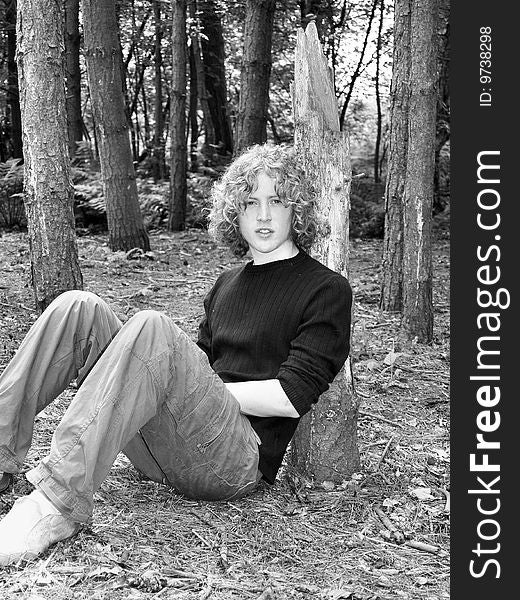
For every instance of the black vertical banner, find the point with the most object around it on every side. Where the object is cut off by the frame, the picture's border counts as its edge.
(485, 254)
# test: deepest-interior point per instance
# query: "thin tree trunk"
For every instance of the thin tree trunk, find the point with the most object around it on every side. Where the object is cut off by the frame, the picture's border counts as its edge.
(357, 70)
(391, 298)
(443, 100)
(377, 177)
(73, 74)
(48, 186)
(13, 96)
(325, 444)
(251, 125)
(159, 167)
(417, 321)
(103, 58)
(178, 169)
(212, 46)
(209, 130)
(193, 116)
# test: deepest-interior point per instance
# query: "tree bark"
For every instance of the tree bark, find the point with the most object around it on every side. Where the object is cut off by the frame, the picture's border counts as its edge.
(193, 112)
(377, 171)
(13, 96)
(213, 56)
(104, 62)
(209, 131)
(443, 99)
(159, 167)
(391, 298)
(251, 125)
(417, 321)
(73, 74)
(325, 444)
(48, 186)
(179, 150)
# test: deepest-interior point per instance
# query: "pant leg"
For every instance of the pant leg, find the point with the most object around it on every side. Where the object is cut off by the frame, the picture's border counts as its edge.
(63, 344)
(200, 444)
(150, 373)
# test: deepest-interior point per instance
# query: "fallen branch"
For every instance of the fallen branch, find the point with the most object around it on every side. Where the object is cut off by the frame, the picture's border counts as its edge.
(425, 547)
(397, 535)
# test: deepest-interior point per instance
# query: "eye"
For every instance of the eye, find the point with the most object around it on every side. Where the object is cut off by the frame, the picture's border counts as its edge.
(276, 201)
(251, 202)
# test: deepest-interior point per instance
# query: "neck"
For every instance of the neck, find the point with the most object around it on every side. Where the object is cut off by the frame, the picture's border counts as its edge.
(283, 252)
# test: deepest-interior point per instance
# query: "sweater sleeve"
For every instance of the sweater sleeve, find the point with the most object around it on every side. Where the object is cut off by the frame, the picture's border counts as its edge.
(321, 345)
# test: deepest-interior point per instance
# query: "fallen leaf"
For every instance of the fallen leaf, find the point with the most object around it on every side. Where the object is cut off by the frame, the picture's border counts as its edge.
(422, 493)
(391, 357)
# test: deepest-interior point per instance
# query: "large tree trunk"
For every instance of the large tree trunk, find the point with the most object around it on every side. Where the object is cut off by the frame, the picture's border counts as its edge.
(179, 150)
(325, 444)
(391, 298)
(215, 76)
(104, 62)
(417, 322)
(47, 181)
(251, 125)
(13, 97)
(73, 74)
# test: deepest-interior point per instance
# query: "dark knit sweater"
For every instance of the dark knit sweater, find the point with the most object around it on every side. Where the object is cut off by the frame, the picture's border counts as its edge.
(287, 320)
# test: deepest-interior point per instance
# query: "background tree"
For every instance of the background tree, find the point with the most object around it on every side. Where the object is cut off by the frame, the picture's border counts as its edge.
(379, 126)
(392, 281)
(443, 99)
(213, 56)
(417, 321)
(198, 93)
(358, 68)
(179, 152)
(48, 186)
(13, 97)
(325, 444)
(251, 123)
(73, 74)
(103, 59)
(159, 166)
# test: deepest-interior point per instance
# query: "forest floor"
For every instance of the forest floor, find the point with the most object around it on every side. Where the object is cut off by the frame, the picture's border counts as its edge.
(383, 534)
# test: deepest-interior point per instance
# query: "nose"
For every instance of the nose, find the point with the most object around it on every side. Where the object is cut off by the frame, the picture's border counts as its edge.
(264, 212)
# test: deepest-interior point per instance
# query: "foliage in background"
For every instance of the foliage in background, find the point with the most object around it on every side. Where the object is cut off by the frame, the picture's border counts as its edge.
(343, 37)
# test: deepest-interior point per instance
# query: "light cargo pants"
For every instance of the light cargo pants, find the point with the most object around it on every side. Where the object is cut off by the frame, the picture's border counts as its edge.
(145, 388)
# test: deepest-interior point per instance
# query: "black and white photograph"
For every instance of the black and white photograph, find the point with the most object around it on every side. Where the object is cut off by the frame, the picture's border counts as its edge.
(256, 313)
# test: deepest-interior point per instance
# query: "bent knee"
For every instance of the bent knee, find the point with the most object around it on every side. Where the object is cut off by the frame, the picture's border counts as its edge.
(152, 319)
(76, 297)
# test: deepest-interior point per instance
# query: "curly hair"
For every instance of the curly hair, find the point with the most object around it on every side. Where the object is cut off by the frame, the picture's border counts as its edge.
(293, 187)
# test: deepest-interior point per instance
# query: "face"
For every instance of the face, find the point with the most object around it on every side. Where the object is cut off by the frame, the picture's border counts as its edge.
(265, 223)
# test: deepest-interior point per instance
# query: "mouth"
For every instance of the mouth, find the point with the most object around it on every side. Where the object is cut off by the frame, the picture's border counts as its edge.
(264, 231)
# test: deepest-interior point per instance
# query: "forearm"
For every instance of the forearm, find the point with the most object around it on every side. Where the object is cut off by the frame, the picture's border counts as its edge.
(262, 398)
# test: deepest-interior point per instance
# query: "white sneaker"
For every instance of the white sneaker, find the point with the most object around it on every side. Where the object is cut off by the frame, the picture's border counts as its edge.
(30, 527)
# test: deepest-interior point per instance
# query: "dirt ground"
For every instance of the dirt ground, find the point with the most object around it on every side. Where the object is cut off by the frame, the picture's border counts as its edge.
(383, 534)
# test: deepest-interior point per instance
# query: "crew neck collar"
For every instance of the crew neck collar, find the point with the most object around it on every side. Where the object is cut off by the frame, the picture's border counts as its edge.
(250, 267)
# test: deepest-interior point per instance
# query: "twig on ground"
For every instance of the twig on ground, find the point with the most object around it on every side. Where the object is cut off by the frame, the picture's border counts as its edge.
(382, 457)
(364, 413)
(204, 541)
